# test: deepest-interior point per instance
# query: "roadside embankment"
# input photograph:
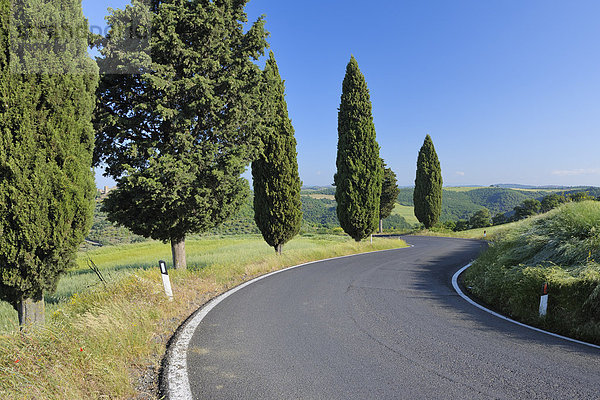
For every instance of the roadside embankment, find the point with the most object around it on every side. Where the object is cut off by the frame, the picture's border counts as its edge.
(560, 248)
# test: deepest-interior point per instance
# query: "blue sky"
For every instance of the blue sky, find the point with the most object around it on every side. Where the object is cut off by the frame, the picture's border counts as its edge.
(508, 90)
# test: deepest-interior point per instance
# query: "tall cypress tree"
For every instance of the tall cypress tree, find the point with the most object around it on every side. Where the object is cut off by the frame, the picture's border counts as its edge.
(427, 196)
(359, 171)
(47, 85)
(277, 206)
(389, 194)
(177, 129)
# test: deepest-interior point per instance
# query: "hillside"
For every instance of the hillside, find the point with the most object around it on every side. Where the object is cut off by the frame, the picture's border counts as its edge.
(462, 203)
(318, 208)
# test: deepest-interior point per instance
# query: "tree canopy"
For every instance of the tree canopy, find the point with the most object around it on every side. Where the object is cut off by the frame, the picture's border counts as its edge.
(389, 192)
(47, 85)
(359, 171)
(277, 206)
(177, 117)
(427, 196)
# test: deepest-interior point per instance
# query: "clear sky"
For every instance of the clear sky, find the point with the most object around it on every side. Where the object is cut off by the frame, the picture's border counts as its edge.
(509, 90)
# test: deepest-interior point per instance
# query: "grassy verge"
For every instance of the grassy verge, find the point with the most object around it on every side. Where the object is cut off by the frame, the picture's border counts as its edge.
(560, 248)
(104, 342)
(492, 232)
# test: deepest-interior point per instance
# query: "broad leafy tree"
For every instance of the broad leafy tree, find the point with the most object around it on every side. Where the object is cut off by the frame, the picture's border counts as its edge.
(389, 194)
(527, 208)
(481, 219)
(277, 206)
(176, 115)
(47, 86)
(551, 201)
(427, 196)
(500, 219)
(359, 171)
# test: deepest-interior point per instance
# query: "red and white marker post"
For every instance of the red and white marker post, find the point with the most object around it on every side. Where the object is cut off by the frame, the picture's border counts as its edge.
(544, 300)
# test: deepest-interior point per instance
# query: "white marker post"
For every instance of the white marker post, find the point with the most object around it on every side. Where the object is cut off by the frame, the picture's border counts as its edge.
(371, 238)
(165, 278)
(544, 300)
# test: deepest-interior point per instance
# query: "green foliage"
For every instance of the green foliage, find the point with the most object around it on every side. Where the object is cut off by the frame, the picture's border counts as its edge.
(526, 209)
(580, 196)
(319, 212)
(395, 223)
(481, 219)
(178, 131)
(107, 233)
(389, 192)
(359, 171)
(561, 248)
(46, 140)
(499, 219)
(461, 225)
(551, 201)
(277, 206)
(427, 197)
(241, 223)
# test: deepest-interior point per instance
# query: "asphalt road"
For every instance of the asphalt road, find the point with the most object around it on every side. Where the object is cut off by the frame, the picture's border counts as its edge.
(386, 325)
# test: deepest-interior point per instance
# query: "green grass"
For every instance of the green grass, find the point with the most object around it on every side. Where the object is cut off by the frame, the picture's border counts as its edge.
(98, 340)
(560, 248)
(491, 232)
(407, 212)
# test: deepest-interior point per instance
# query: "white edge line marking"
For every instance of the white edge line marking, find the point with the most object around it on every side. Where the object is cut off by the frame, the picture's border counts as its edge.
(178, 384)
(467, 298)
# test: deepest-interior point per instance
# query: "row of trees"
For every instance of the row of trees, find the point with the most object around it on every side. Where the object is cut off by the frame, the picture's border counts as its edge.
(366, 190)
(180, 110)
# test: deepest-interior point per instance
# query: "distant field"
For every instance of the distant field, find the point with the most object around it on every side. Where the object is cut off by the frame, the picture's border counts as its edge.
(407, 212)
(322, 196)
(463, 189)
(540, 190)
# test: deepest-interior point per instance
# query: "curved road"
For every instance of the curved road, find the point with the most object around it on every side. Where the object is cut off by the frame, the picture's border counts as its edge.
(386, 325)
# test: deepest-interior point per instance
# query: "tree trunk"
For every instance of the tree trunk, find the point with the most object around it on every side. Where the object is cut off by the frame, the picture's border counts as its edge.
(178, 252)
(380, 225)
(31, 312)
(279, 249)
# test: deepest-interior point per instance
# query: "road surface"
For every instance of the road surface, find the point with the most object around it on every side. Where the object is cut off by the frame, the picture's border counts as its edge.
(385, 325)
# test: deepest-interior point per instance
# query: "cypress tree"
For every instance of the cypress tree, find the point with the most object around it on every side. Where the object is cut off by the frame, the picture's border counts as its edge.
(177, 129)
(277, 206)
(47, 85)
(389, 194)
(359, 171)
(427, 196)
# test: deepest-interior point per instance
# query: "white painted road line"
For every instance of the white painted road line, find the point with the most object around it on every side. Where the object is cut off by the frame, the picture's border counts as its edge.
(467, 298)
(177, 375)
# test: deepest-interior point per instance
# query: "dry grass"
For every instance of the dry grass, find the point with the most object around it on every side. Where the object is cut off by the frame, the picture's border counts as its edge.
(98, 344)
